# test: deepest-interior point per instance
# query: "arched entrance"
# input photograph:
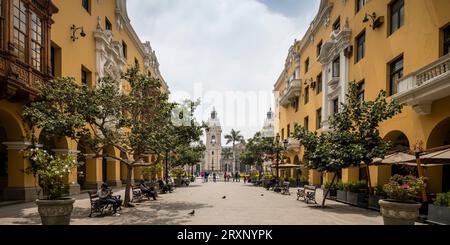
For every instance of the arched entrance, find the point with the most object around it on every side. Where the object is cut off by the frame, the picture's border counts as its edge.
(440, 136)
(14, 183)
(400, 143)
(3, 161)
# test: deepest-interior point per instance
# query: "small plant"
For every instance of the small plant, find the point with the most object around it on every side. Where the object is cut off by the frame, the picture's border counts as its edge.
(442, 199)
(50, 171)
(328, 185)
(357, 187)
(379, 191)
(404, 188)
(342, 186)
(178, 172)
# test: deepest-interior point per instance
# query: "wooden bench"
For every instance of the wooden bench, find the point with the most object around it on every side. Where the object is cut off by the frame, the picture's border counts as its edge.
(307, 193)
(285, 188)
(96, 205)
(137, 194)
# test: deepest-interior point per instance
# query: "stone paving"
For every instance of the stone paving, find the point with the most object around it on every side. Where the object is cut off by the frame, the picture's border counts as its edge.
(244, 205)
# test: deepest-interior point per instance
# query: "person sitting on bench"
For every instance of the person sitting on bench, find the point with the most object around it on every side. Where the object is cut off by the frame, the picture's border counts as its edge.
(105, 197)
(164, 188)
(147, 191)
(271, 184)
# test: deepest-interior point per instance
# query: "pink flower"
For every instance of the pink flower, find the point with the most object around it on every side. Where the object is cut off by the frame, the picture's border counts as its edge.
(405, 186)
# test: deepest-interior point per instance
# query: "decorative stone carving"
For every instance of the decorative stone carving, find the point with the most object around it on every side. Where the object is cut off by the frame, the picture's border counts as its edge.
(110, 56)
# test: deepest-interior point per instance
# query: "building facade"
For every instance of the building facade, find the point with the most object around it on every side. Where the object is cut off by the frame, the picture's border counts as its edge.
(213, 152)
(400, 46)
(44, 39)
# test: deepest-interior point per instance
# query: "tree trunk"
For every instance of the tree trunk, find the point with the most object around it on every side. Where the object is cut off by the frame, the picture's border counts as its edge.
(369, 182)
(127, 200)
(328, 190)
(234, 158)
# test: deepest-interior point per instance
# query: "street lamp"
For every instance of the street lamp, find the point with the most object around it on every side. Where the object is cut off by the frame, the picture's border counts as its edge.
(285, 145)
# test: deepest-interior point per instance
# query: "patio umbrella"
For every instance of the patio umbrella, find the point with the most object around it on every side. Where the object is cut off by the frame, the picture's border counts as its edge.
(395, 158)
(286, 166)
(439, 157)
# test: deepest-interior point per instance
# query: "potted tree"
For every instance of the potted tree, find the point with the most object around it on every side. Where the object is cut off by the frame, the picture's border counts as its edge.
(439, 211)
(341, 193)
(178, 173)
(332, 188)
(356, 194)
(52, 173)
(379, 194)
(400, 208)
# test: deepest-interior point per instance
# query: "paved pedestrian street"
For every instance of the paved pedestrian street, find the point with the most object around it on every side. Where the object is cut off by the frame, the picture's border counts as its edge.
(214, 204)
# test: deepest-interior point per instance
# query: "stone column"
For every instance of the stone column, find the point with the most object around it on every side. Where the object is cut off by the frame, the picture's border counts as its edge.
(328, 177)
(124, 173)
(93, 173)
(21, 186)
(72, 181)
(138, 176)
(314, 177)
(113, 173)
(350, 174)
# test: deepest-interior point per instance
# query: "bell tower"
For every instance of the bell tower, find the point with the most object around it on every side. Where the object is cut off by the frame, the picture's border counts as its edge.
(213, 144)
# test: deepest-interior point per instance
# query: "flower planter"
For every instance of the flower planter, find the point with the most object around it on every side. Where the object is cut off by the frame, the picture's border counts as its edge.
(331, 195)
(341, 196)
(398, 213)
(373, 202)
(55, 212)
(439, 214)
(356, 199)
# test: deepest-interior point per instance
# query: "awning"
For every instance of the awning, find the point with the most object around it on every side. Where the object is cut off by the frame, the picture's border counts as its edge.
(438, 157)
(287, 166)
(395, 158)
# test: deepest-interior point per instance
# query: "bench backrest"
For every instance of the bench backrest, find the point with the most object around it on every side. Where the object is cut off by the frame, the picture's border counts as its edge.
(92, 195)
(310, 187)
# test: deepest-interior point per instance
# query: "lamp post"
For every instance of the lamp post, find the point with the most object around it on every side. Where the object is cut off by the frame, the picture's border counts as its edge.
(167, 165)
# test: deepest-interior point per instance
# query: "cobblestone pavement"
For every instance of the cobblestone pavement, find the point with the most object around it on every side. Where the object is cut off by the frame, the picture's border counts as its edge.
(244, 205)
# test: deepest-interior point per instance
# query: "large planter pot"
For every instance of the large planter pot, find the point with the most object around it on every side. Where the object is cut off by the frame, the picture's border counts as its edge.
(398, 213)
(373, 202)
(341, 196)
(357, 199)
(438, 214)
(331, 195)
(55, 212)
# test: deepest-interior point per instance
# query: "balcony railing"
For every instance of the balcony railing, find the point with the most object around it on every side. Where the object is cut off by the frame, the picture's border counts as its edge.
(428, 84)
(292, 91)
(293, 145)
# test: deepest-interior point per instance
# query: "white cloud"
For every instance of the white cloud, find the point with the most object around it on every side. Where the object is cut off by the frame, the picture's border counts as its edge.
(223, 46)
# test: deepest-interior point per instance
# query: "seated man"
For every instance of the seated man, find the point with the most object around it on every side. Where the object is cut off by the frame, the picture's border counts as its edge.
(106, 197)
(164, 188)
(185, 181)
(147, 191)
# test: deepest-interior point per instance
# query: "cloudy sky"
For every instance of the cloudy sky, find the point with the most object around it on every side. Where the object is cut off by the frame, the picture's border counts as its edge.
(228, 53)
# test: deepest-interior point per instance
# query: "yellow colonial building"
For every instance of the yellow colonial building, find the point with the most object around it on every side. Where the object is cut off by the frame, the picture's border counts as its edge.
(400, 46)
(43, 39)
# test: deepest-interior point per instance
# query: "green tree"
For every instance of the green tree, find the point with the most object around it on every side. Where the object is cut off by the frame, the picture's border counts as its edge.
(234, 137)
(100, 117)
(354, 137)
(227, 155)
(256, 150)
(188, 155)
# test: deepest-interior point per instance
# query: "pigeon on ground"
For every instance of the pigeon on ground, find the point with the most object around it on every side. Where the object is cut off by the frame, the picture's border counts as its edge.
(262, 195)
(224, 197)
(192, 213)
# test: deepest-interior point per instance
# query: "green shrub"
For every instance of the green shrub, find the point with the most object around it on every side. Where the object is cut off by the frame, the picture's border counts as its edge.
(358, 186)
(379, 191)
(328, 185)
(442, 199)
